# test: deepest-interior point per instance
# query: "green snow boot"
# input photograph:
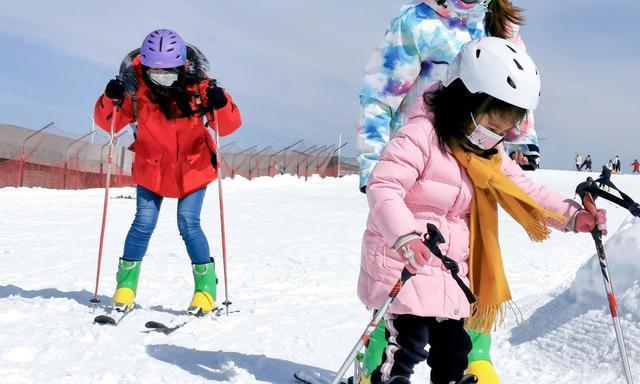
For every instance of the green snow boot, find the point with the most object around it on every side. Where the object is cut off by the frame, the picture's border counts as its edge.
(127, 279)
(204, 295)
(480, 363)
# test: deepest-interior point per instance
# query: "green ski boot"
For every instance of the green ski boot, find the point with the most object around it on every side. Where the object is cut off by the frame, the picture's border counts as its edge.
(204, 295)
(127, 279)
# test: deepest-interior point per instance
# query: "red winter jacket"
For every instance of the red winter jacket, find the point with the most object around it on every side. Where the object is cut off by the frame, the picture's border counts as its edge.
(173, 156)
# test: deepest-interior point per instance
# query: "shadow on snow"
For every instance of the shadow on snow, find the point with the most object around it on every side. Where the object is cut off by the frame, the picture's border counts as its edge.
(82, 297)
(214, 365)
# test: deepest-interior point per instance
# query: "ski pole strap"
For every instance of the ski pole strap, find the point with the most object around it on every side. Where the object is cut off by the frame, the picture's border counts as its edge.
(590, 186)
(432, 241)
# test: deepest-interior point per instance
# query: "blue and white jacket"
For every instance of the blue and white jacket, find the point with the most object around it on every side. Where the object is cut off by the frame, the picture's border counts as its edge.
(419, 45)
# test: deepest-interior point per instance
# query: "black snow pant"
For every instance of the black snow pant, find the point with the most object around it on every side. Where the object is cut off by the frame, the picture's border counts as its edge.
(408, 335)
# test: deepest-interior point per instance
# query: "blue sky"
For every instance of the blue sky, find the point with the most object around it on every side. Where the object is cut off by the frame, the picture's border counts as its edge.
(295, 67)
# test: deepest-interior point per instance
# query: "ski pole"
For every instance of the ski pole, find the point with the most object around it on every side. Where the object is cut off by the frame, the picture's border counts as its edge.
(433, 238)
(364, 339)
(222, 227)
(114, 115)
(589, 204)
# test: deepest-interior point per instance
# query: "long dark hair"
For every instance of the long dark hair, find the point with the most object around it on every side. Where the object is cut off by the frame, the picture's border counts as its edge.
(452, 107)
(175, 100)
(500, 17)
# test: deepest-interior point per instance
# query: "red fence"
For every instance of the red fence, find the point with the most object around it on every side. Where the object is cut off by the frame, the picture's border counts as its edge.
(43, 159)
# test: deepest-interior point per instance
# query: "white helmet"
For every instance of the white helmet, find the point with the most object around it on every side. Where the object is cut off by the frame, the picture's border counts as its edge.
(498, 68)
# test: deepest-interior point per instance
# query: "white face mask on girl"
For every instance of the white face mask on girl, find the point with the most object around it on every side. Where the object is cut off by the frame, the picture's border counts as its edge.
(483, 137)
(163, 79)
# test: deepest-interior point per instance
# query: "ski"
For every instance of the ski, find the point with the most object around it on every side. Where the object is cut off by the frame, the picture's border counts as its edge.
(154, 326)
(109, 319)
(167, 329)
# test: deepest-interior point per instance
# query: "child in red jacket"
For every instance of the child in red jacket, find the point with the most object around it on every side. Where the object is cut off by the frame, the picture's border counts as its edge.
(164, 91)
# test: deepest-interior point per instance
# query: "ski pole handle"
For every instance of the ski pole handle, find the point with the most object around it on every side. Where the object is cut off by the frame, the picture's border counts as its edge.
(589, 203)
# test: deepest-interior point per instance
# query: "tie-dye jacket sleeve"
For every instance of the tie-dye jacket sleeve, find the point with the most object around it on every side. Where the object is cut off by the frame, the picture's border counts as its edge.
(526, 139)
(389, 76)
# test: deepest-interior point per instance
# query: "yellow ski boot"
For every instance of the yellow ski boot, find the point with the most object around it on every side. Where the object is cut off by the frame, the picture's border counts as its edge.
(204, 295)
(479, 359)
(127, 279)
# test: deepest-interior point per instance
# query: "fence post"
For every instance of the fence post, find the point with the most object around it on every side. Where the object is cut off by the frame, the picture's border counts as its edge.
(328, 149)
(23, 156)
(303, 153)
(251, 158)
(221, 157)
(280, 151)
(233, 161)
(308, 162)
(64, 176)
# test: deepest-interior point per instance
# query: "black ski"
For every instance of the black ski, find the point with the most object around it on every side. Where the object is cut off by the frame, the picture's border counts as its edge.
(154, 326)
(109, 319)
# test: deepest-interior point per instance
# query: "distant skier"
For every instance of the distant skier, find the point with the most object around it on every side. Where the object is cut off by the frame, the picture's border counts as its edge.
(604, 180)
(446, 167)
(586, 164)
(422, 39)
(636, 166)
(578, 161)
(165, 90)
(616, 164)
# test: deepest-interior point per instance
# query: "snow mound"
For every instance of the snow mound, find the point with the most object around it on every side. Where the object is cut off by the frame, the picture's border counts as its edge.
(623, 257)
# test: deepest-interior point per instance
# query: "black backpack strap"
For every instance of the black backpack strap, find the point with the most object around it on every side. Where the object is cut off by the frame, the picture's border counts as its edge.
(134, 107)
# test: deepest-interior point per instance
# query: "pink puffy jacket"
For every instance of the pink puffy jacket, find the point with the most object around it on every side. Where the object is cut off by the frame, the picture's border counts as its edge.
(416, 183)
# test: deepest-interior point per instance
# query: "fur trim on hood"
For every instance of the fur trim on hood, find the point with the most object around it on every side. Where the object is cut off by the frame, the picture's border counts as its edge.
(197, 65)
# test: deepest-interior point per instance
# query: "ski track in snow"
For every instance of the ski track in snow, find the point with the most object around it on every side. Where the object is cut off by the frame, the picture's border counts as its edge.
(294, 255)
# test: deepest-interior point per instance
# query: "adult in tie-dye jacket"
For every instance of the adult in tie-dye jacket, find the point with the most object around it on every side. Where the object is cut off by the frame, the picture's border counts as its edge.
(422, 39)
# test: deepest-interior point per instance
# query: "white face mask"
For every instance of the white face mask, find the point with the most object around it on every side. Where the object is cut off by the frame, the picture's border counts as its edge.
(163, 79)
(483, 137)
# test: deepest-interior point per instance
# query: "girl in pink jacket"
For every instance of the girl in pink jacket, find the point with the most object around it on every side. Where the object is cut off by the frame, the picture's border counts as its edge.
(445, 167)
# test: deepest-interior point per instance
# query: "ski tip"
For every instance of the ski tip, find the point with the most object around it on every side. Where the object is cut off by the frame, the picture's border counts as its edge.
(155, 325)
(104, 320)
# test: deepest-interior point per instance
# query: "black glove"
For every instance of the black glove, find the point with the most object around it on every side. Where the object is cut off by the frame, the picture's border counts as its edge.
(115, 90)
(216, 97)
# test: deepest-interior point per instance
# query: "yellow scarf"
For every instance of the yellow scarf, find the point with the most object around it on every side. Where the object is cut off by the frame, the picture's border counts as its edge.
(486, 271)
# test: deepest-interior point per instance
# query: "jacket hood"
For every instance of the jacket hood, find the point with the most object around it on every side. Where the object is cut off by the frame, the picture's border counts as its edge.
(197, 65)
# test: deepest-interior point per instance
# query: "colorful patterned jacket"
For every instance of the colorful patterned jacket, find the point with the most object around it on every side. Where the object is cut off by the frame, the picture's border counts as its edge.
(422, 39)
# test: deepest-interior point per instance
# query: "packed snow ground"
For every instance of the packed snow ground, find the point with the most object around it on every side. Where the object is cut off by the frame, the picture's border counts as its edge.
(294, 255)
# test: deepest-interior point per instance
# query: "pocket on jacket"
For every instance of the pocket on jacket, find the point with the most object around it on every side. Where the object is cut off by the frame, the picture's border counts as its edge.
(191, 159)
(148, 171)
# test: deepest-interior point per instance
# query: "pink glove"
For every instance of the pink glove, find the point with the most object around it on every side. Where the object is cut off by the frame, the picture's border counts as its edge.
(585, 221)
(416, 253)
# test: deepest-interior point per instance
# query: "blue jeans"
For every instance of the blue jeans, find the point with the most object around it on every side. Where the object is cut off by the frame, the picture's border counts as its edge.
(147, 210)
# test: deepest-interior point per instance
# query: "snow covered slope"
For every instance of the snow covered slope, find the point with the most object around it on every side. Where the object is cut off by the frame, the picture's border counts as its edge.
(294, 254)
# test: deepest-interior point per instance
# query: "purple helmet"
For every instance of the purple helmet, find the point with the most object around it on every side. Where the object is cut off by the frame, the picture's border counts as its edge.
(163, 48)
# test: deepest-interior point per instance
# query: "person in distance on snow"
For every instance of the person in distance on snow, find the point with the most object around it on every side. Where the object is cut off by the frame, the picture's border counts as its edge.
(445, 167)
(586, 164)
(578, 161)
(422, 39)
(163, 88)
